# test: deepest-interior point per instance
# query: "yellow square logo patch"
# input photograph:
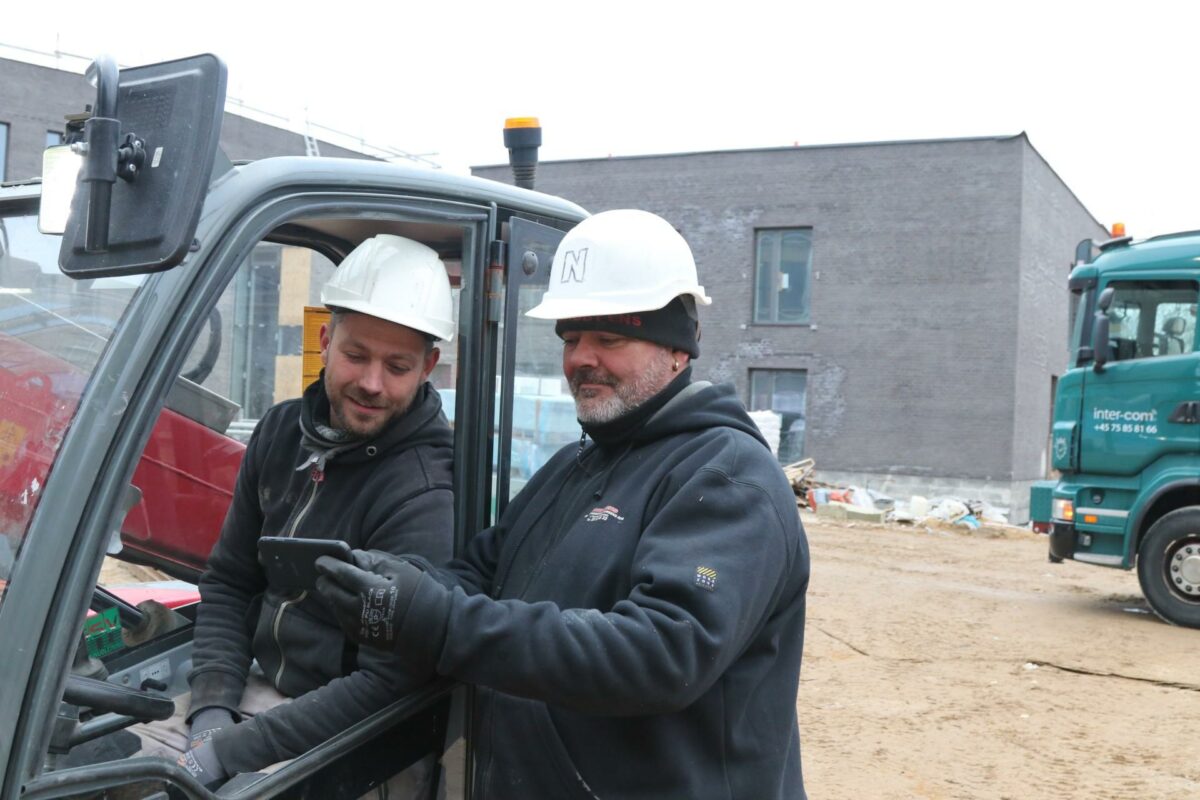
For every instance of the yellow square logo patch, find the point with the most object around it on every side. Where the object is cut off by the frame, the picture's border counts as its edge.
(706, 578)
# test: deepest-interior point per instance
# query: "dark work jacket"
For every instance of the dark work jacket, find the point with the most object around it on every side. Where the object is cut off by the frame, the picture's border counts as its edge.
(636, 619)
(389, 493)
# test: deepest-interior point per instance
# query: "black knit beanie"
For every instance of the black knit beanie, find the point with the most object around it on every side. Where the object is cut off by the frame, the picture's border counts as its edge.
(670, 326)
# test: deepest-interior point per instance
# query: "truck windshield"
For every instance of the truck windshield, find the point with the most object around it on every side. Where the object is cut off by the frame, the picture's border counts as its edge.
(52, 332)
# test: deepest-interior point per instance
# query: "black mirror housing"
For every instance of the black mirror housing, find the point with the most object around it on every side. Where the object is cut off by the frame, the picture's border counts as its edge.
(1102, 350)
(147, 167)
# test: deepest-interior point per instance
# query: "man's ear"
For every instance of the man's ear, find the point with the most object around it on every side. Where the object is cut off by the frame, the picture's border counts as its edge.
(325, 338)
(431, 360)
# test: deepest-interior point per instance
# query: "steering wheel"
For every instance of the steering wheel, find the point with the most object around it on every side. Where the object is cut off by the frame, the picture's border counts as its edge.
(118, 707)
(109, 697)
(212, 349)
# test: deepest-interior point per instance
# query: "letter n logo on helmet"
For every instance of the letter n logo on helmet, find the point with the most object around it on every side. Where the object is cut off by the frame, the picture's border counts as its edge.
(574, 266)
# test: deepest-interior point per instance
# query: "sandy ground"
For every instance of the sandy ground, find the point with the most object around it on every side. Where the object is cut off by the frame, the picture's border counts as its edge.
(946, 664)
(941, 664)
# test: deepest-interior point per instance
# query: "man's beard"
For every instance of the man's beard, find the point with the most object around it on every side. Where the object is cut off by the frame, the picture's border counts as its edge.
(625, 396)
(344, 422)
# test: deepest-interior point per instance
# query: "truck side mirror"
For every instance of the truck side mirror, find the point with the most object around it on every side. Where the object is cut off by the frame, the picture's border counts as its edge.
(1102, 350)
(1083, 252)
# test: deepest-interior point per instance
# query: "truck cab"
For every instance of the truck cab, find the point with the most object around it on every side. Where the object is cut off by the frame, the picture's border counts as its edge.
(137, 350)
(1126, 430)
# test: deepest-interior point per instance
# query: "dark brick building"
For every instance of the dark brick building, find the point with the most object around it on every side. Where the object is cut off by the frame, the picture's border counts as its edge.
(903, 305)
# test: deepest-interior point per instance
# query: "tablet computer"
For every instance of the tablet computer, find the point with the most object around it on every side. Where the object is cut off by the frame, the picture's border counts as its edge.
(290, 562)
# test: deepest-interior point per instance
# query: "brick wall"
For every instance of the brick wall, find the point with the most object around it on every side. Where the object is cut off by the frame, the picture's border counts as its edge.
(938, 306)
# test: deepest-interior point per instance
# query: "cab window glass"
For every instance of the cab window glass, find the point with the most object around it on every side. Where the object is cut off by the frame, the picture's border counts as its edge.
(543, 411)
(1149, 319)
(1175, 328)
(53, 331)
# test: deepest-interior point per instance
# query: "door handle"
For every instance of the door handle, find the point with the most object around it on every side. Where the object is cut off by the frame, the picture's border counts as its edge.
(1187, 412)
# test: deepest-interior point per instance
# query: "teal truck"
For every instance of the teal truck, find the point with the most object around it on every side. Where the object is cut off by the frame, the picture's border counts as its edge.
(1126, 431)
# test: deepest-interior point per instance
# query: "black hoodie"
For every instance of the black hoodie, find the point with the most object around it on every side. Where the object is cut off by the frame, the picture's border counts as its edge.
(392, 493)
(636, 619)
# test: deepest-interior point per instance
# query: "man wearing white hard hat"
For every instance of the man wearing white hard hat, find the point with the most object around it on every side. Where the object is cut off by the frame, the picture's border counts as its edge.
(634, 622)
(364, 456)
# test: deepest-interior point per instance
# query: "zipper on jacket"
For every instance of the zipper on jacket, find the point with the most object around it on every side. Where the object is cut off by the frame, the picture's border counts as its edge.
(318, 477)
(275, 634)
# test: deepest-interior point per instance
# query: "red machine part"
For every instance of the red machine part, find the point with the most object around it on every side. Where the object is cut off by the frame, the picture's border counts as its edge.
(186, 476)
(186, 473)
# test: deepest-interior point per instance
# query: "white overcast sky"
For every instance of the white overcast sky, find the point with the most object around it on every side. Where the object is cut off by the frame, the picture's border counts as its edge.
(1107, 92)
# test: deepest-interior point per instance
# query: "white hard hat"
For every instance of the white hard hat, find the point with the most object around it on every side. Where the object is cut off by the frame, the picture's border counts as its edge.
(396, 279)
(617, 262)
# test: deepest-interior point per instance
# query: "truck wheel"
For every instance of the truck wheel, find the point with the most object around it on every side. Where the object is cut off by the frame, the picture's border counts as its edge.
(1168, 567)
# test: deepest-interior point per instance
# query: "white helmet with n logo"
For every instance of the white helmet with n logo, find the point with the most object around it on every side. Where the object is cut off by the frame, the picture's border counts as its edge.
(617, 262)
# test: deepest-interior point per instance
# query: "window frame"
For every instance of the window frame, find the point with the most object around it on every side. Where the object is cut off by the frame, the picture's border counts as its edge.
(5, 138)
(806, 319)
(773, 373)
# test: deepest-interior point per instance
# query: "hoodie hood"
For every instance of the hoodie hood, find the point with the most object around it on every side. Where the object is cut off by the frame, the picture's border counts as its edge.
(700, 406)
(409, 430)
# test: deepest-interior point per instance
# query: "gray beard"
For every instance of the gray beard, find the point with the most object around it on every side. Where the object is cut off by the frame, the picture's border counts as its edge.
(625, 396)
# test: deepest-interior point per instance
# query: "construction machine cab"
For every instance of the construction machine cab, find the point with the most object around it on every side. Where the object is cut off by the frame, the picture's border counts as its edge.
(137, 352)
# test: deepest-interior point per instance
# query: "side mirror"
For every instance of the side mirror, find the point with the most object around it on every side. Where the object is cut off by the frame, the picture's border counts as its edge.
(1083, 252)
(1101, 349)
(147, 157)
(1104, 301)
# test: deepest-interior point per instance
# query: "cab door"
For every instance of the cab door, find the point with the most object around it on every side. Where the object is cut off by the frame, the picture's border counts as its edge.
(135, 370)
(1143, 405)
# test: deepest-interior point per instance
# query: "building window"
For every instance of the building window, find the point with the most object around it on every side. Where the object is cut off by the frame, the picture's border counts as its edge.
(54, 138)
(3, 151)
(782, 270)
(782, 391)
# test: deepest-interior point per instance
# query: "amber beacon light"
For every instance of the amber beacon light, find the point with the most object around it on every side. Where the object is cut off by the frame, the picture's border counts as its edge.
(523, 137)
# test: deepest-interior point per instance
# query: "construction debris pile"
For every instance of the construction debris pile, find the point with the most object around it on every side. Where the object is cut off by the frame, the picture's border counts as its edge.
(867, 505)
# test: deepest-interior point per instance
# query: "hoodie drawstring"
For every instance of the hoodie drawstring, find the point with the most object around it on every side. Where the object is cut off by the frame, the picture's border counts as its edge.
(608, 471)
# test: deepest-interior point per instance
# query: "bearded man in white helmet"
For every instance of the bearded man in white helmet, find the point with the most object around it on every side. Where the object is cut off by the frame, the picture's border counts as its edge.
(634, 622)
(364, 456)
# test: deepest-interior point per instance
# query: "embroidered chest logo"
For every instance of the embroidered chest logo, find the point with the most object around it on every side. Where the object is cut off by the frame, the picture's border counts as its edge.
(604, 514)
(706, 578)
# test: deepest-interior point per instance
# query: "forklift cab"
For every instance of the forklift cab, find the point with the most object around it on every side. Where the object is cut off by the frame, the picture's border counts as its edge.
(138, 349)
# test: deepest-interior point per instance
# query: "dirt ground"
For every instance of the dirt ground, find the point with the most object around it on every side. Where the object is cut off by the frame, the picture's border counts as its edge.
(949, 664)
(941, 664)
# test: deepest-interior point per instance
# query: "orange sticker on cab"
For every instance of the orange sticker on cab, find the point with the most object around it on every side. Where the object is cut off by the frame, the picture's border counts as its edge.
(11, 437)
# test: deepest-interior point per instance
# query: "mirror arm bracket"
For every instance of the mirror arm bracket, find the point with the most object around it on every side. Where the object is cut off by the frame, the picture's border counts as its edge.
(99, 172)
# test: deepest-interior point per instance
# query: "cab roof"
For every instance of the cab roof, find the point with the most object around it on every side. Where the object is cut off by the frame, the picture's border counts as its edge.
(258, 177)
(1169, 251)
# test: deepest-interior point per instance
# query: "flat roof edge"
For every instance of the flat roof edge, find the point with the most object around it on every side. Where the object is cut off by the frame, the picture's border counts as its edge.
(744, 150)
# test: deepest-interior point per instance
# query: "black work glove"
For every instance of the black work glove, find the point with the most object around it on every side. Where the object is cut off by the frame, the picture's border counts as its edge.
(208, 721)
(204, 765)
(370, 596)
